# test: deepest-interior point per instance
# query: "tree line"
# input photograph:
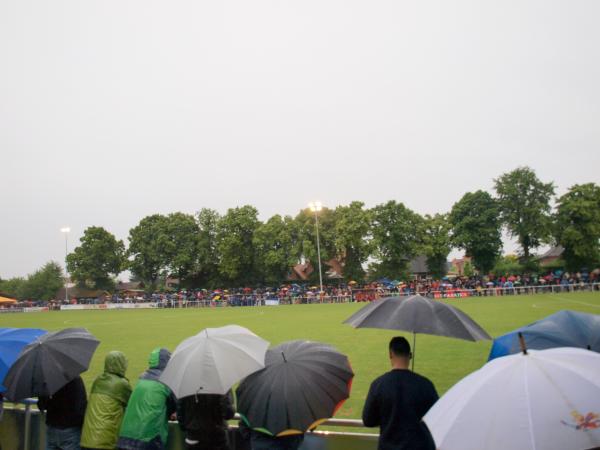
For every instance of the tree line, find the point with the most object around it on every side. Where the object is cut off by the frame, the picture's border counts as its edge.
(237, 249)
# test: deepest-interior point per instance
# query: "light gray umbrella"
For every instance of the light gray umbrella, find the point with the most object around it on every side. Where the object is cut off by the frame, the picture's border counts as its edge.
(418, 314)
(48, 363)
(214, 360)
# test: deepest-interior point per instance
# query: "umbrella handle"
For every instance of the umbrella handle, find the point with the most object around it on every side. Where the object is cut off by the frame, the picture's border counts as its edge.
(522, 343)
(414, 350)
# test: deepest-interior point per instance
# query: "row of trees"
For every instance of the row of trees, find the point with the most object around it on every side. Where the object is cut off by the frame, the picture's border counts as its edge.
(235, 249)
(43, 284)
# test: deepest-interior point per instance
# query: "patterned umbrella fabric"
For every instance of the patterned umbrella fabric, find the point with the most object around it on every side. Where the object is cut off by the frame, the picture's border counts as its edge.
(544, 399)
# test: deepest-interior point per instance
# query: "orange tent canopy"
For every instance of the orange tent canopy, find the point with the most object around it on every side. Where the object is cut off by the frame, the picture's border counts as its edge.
(8, 301)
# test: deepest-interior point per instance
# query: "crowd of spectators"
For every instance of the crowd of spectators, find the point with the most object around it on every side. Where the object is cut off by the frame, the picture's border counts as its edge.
(340, 291)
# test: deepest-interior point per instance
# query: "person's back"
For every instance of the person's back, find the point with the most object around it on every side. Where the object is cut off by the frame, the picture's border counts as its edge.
(145, 424)
(203, 418)
(397, 401)
(64, 415)
(108, 399)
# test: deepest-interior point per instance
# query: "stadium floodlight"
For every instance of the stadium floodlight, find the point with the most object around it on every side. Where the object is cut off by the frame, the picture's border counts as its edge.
(66, 231)
(316, 207)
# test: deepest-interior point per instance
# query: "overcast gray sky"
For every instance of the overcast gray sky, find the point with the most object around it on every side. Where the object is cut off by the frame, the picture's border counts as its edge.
(113, 110)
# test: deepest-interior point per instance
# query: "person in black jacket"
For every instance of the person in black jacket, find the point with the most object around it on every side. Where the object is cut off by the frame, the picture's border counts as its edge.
(203, 418)
(398, 400)
(64, 415)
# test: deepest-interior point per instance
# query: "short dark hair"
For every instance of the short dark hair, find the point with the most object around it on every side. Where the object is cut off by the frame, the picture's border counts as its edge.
(399, 346)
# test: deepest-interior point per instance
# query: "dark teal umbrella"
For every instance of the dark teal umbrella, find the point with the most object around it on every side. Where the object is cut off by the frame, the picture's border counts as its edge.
(561, 329)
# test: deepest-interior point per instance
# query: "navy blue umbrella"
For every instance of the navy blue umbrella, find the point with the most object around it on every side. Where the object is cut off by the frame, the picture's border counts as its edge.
(12, 341)
(562, 329)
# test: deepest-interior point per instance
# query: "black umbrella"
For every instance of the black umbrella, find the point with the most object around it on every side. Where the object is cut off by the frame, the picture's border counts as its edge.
(418, 314)
(303, 383)
(48, 363)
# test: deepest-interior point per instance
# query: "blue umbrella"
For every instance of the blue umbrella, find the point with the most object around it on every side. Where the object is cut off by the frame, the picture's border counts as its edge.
(12, 340)
(562, 329)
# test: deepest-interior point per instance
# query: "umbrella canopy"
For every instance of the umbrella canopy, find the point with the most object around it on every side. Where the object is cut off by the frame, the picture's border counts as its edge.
(418, 314)
(212, 361)
(302, 384)
(12, 341)
(48, 363)
(562, 329)
(7, 301)
(545, 399)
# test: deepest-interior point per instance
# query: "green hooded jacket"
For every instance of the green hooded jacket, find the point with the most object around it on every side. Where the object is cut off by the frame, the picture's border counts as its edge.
(106, 405)
(145, 425)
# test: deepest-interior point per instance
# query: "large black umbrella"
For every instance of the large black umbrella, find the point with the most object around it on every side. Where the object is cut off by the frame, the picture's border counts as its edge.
(418, 314)
(303, 383)
(48, 363)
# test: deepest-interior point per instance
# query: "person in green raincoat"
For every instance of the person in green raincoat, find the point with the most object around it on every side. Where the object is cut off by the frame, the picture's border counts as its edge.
(146, 422)
(106, 405)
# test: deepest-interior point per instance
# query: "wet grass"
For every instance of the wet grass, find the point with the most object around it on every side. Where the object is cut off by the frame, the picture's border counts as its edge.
(443, 360)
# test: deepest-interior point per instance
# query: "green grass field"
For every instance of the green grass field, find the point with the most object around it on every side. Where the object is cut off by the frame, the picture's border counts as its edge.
(443, 360)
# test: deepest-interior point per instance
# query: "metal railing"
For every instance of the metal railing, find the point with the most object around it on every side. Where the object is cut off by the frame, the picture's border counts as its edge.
(23, 428)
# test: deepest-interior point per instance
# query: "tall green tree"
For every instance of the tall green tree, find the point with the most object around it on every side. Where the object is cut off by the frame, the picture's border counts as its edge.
(274, 243)
(397, 235)
(147, 242)
(437, 243)
(181, 245)
(352, 238)
(524, 203)
(235, 244)
(44, 283)
(13, 287)
(578, 226)
(476, 228)
(207, 273)
(99, 256)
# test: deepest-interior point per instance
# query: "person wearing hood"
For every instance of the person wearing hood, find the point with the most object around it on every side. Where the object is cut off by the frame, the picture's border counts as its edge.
(106, 405)
(146, 422)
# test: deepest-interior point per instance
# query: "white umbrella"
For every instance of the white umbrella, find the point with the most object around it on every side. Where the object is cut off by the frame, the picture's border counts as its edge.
(214, 360)
(544, 399)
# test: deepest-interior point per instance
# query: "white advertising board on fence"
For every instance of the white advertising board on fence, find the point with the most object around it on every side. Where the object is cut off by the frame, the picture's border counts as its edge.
(271, 302)
(110, 306)
(144, 305)
(36, 309)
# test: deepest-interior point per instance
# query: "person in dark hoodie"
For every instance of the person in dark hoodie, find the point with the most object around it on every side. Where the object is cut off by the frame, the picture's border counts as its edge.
(203, 418)
(145, 425)
(65, 410)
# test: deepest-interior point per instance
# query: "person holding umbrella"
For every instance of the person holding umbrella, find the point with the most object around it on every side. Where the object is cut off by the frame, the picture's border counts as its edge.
(146, 422)
(398, 400)
(203, 418)
(65, 410)
(106, 405)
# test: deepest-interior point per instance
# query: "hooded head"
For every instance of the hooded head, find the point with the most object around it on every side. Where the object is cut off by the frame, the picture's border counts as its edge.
(115, 363)
(159, 357)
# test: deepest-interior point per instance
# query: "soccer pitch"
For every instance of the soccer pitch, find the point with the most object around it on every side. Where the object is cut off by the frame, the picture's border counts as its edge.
(443, 360)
